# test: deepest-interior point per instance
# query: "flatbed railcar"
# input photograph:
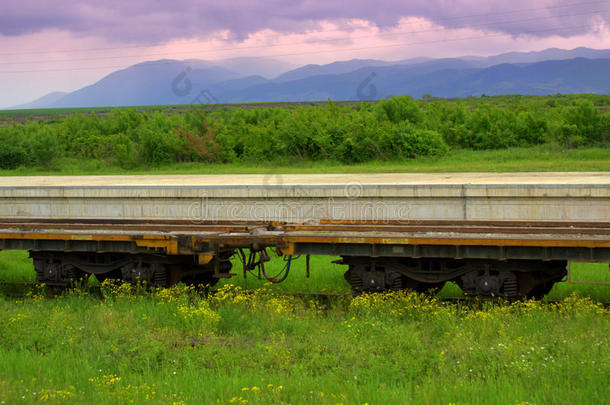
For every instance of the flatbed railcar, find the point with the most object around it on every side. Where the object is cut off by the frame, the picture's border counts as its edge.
(506, 234)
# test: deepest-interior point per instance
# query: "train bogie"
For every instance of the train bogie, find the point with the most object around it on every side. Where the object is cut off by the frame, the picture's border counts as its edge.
(65, 269)
(480, 277)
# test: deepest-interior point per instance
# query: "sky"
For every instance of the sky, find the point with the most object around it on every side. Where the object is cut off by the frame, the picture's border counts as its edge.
(63, 45)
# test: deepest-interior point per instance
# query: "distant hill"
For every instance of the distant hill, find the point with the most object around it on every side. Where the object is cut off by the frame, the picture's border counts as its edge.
(540, 56)
(447, 78)
(44, 101)
(331, 68)
(580, 70)
(148, 83)
(265, 67)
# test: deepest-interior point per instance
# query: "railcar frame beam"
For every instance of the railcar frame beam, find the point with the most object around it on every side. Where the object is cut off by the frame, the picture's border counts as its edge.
(544, 253)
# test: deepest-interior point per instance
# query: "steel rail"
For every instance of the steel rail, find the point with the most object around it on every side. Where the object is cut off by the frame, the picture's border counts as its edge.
(242, 227)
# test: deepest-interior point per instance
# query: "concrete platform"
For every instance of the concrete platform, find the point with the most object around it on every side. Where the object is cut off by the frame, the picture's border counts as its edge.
(272, 179)
(565, 197)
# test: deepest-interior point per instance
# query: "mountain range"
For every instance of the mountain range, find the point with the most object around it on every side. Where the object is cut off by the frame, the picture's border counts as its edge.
(580, 70)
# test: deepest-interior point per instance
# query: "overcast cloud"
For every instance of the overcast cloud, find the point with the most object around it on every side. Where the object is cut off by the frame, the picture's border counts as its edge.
(155, 20)
(66, 44)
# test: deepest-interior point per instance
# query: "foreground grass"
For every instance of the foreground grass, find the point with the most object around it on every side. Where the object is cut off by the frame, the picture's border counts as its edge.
(177, 346)
(538, 159)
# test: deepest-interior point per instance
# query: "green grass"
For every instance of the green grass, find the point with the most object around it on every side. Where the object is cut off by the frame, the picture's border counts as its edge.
(500, 101)
(537, 159)
(15, 265)
(176, 346)
(33, 112)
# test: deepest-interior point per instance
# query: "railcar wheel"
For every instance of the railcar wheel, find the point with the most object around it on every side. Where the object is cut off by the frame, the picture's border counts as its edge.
(154, 274)
(53, 271)
(366, 280)
(490, 283)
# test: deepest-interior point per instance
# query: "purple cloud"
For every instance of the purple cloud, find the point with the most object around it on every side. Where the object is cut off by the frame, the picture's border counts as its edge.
(159, 20)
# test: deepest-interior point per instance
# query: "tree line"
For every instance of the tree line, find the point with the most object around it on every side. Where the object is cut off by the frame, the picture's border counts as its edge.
(391, 129)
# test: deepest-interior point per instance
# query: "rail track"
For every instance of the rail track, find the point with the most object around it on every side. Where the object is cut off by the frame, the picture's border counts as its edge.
(485, 227)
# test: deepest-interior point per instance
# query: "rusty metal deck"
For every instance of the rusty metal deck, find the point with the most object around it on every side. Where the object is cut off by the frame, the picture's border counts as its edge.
(166, 235)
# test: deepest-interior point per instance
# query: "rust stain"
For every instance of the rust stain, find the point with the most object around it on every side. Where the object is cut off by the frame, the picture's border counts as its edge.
(450, 241)
(169, 244)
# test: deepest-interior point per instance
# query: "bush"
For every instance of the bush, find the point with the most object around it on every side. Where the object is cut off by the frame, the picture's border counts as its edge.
(400, 108)
(394, 128)
(570, 136)
(124, 152)
(530, 130)
(587, 120)
(160, 148)
(360, 142)
(45, 146)
(13, 150)
(405, 141)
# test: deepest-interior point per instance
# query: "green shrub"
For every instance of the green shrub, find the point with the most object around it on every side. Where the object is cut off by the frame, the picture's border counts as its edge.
(406, 141)
(360, 142)
(395, 128)
(530, 130)
(124, 152)
(588, 121)
(45, 147)
(160, 148)
(570, 136)
(13, 150)
(400, 108)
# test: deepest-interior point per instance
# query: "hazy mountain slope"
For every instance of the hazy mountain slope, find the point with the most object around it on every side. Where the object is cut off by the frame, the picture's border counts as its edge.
(264, 67)
(568, 76)
(149, 83)
(561, 76)
(329, 69)
(198, 81)
(545, 55)
(43, 101)
(471, 61)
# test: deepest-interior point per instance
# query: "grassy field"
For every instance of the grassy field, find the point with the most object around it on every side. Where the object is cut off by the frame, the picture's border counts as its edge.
(179, 346)
(536, 159)
(249, 344)
(37, 112)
